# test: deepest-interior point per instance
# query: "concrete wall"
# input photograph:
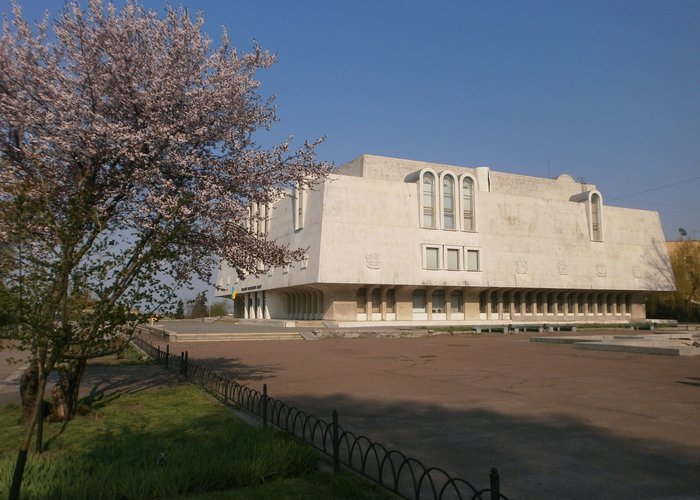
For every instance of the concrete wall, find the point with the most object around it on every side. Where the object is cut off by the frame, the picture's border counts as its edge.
(362, 227)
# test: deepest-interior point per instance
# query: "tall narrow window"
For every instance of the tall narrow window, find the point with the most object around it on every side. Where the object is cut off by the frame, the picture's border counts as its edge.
(596, 224)
(448, 202)
(482, 302)
(428, 200)
(467, 204)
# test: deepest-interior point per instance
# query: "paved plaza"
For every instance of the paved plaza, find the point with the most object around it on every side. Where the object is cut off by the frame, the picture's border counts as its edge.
(557, 422)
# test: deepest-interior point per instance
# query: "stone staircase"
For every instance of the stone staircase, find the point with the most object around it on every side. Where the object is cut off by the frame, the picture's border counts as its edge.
(232, 337)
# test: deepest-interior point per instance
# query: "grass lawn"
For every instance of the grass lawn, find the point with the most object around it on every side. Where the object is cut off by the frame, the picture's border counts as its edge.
(174, 443)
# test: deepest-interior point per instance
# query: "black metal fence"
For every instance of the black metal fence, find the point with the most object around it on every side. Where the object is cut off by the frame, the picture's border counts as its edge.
(402, 475)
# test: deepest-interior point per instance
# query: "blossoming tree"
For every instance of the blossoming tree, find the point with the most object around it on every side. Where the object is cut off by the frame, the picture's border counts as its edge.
(129, 157)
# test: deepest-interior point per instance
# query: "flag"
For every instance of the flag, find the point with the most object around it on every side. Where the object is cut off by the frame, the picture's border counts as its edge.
(234, 292)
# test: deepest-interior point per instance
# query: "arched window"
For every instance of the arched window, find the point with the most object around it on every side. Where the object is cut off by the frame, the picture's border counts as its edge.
(428, 200)
(467, 204)
(596, 222)
(448, 202)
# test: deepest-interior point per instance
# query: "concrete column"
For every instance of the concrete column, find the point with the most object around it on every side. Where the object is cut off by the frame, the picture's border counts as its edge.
(511, 297)
(429, 302)
(368, 302)
(448, 302)
(594, 300)
(382, 302)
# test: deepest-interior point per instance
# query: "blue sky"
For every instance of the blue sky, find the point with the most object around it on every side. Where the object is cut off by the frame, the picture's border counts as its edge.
(604, 90)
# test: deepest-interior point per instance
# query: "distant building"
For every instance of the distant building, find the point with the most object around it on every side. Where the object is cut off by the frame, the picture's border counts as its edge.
(410, 242)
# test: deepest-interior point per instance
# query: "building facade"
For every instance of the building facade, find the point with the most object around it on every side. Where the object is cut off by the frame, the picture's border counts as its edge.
(408, 242)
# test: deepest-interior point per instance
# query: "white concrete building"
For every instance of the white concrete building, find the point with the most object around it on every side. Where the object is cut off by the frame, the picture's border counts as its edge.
(410, 242)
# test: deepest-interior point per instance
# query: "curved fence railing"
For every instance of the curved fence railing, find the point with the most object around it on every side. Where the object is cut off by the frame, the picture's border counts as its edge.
(402, 475)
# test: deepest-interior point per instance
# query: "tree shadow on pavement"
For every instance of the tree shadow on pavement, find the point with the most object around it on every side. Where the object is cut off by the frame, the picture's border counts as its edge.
(557, 457)
(236, 370)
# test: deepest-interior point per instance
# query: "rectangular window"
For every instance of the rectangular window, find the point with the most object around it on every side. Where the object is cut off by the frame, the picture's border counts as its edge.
(506, 302)
(472, 260)
(516, 302)
(438, 301)
(494, 302)
(419, 301)
(456, 301)
(453, 259)
(432, 257)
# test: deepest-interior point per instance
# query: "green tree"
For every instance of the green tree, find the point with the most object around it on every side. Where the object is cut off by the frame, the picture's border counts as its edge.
(220, 308)
(199, 306)
(684, 303)
(180, 310)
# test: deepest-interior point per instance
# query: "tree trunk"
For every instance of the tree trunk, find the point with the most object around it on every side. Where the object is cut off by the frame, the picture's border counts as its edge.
(66, 391)
(24, 448)
(28, 390)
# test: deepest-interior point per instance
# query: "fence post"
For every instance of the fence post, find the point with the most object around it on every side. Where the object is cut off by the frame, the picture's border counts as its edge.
(336, 444)
(187, 361)
(182, 362)
(40, 429)
(226, 390)
(495, 484)
(264, 405)
(167, 355)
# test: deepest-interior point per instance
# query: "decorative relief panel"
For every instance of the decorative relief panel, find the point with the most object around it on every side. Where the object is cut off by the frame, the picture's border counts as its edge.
(563, 269)
(636, 272)
(373, 261)
(521, 266)
(601, 271)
